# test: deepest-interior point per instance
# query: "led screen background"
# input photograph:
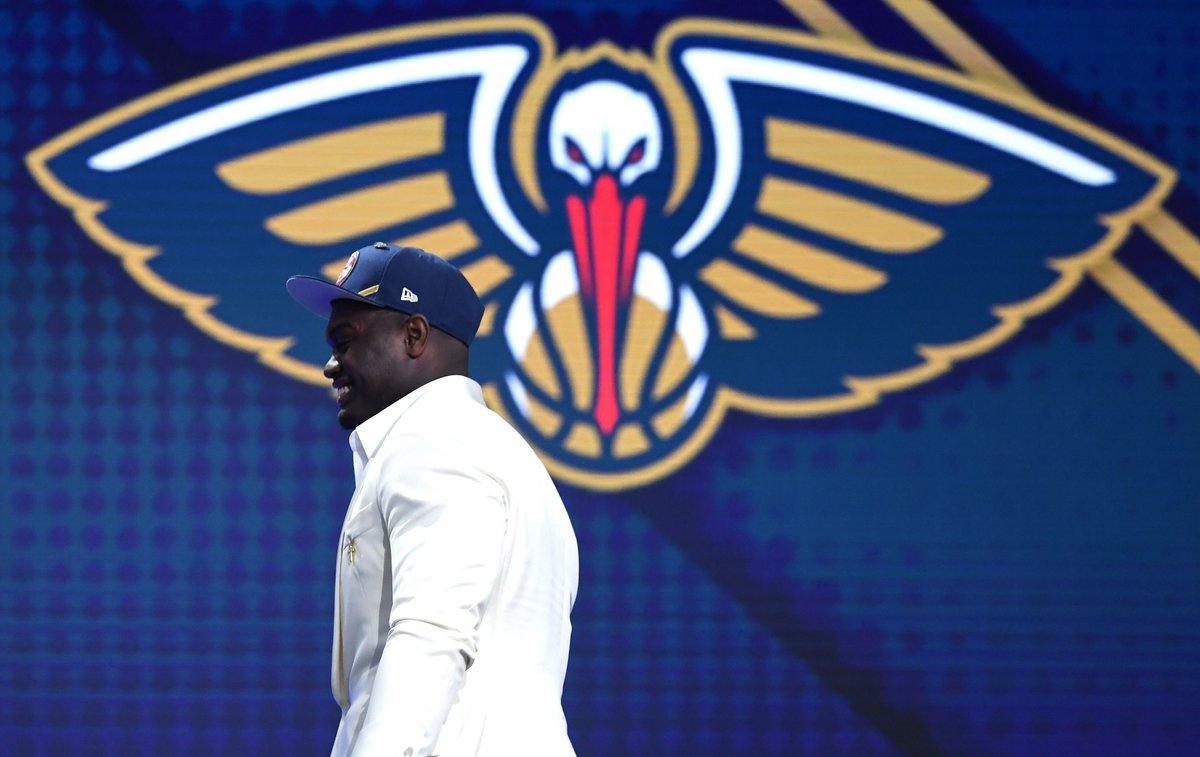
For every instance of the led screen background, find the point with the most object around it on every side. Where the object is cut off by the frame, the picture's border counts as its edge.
(1002, 559)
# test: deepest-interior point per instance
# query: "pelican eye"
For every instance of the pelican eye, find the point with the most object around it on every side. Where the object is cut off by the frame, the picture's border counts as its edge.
(573, 151)
(636, 153)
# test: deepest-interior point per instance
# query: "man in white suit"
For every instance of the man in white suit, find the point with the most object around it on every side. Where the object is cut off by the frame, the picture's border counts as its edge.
(457, 565)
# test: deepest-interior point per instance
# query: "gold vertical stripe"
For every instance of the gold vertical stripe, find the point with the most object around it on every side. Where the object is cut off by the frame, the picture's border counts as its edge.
(447, 241)
(844, 217)
(645, 327)
(537, 364)
(824, 20)
(877, 164)
(675, 367)
(807, 262)
(306, 162)
(732, 327)
(755, 293)
(954, 43)
(630, 440)
(1175, 238)
(545, 420)
(583, 440)
(354, 214)
(487, 273)
(571, 341)
(670, 420)
(1148, 308)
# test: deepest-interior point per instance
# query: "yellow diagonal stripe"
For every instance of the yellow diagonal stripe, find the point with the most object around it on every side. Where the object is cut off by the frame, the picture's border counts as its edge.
(306, 162)
(846, 218)
(642, 335)
(874, 163)
(1175, 238)
(755, 293)
(354, 214)
(568, 329)
(536, 362)
(807, 262)
(946, 36)
(1150, 309)
(824, 20)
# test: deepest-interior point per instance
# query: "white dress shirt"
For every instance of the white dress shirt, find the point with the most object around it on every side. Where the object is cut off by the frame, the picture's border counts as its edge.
(456, 575)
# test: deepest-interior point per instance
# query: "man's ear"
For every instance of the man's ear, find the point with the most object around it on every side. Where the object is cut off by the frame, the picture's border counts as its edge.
(416, 335)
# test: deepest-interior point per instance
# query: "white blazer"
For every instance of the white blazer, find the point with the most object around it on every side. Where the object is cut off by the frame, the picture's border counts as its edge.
(456, 575)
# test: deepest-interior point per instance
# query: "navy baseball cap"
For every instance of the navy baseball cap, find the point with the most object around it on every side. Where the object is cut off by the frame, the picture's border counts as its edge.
(406, 279)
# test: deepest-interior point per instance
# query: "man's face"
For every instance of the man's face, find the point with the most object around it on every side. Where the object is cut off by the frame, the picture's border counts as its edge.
(369, 365)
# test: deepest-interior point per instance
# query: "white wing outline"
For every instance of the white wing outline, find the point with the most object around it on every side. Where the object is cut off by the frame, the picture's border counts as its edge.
(496, 66)
(714, 70)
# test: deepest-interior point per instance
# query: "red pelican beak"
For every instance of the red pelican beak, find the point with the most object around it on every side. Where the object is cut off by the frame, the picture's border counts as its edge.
(606, 230)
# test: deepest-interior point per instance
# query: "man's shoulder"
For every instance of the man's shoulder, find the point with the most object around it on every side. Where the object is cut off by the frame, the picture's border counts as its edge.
(453, 414)
(459, 426)
(476, 429)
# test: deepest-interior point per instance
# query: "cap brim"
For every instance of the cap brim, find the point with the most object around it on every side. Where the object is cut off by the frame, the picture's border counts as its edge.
(318, 294)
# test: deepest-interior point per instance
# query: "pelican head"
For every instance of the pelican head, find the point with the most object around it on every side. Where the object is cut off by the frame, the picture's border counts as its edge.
(605, 127)
(605, 135)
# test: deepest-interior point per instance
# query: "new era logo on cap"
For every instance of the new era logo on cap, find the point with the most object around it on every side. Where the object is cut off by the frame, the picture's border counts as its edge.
(408, 295)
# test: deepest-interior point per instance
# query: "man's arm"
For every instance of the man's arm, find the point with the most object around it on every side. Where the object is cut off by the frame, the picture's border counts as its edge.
(446, 529)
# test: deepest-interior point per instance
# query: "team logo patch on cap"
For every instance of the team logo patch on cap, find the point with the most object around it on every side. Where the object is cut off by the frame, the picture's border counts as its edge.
(348, 268)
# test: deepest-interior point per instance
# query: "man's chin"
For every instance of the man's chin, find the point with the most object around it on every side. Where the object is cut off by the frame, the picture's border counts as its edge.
(347, 419)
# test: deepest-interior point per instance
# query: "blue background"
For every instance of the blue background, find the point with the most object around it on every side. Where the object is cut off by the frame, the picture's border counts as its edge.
(1001, 561)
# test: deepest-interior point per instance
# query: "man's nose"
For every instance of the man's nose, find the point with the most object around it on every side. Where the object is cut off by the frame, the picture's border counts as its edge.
(332, 367)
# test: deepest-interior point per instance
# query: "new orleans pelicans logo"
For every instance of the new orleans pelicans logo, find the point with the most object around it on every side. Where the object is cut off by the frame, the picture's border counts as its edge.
(744, 218)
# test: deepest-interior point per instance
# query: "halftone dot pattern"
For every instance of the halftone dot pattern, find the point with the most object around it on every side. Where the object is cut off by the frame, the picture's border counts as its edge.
(1041, 609)
(1005, 558)
(664, 663)
(164, 500)
(1132, 60)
